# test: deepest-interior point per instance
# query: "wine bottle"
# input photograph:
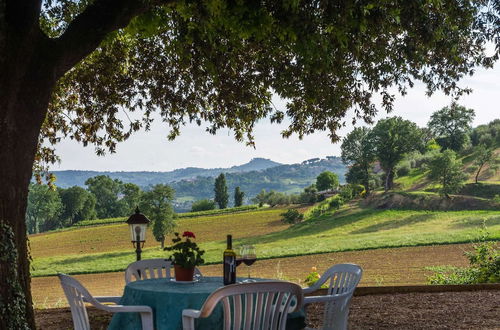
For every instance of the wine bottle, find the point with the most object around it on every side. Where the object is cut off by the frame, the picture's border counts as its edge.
(229, 262)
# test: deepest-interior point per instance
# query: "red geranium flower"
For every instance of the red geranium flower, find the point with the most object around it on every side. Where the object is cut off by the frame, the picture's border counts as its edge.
(188, 234)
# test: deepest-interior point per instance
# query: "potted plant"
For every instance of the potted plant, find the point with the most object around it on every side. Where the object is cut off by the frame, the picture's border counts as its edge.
(186, 255)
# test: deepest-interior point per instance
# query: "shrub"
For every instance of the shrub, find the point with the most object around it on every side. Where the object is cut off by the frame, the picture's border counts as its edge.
(292, 216)
(357, 190)
(496, 199)
(336, 202)
(403, 169)
(313, 277)
(484, 266)
(346, 192)
(203, 205)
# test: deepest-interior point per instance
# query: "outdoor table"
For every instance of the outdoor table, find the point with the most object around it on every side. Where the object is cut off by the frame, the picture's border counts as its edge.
(168, 299)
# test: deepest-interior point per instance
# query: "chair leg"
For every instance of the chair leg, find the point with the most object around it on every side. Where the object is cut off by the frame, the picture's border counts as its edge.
(147, 321)
(187, 323)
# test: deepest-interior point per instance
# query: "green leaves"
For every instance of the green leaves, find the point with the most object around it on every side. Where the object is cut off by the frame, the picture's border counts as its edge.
(217, 63)
(187, 253)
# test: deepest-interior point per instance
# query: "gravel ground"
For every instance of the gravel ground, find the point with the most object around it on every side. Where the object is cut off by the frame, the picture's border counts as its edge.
(443, 310)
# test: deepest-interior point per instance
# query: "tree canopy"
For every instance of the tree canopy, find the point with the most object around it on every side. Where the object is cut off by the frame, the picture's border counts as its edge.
(452, 125)
(220, 190)
(327, 180)
(156, 204)
(217, 62)
(446, 169)
(359, 152)
(393, 138)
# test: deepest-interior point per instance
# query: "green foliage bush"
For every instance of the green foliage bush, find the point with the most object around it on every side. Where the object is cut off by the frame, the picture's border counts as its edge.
(496, 199)
(403, 169)
(312, 277)
(292, 216)
(178, 215)
(218, 211)
(346, 192)
(484, 266)
(336, 202)
(203, 205)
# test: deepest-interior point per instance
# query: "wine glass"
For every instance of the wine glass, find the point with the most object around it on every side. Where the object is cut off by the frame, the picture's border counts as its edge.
(239, 258)
(249, 256)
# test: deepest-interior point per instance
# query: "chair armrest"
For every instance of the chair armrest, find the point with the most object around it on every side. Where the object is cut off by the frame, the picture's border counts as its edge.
(130, 309)
(327, 298)
(108, 299)
(191, 313)
(308, 290)
(188, 316)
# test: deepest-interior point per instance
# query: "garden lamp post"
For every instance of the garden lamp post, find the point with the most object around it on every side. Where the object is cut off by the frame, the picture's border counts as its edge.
(138, 223)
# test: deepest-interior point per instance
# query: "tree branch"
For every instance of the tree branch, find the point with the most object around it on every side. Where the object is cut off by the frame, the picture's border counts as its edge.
(87, 30)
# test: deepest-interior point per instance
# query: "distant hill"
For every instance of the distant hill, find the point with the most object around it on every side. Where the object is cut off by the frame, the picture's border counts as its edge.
(193, 183)
(70, 178)
(284, 178)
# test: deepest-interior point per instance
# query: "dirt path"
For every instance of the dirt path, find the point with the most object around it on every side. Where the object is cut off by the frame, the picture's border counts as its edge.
(397, 266)
(446, 310)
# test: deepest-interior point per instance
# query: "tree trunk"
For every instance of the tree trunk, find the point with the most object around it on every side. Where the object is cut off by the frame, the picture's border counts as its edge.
(25, 88)
(389, 179)
(162, 243)
(366, 181)
(30, 64)
(479, 171)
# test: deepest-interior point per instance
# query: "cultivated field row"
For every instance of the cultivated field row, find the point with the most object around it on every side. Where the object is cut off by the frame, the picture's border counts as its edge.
(397, 266)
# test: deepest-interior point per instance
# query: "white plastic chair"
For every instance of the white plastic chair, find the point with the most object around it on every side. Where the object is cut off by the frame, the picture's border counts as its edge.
(151, 268)
(250, 306)
(343, 281)
(77, 295)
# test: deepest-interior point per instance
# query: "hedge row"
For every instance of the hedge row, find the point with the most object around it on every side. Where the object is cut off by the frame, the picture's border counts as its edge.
(108, 221)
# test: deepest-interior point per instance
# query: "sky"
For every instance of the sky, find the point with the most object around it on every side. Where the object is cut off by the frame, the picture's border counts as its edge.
(151, 151)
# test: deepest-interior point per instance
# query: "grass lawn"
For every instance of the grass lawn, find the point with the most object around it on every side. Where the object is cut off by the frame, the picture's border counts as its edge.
(115, 237)
(351, 228)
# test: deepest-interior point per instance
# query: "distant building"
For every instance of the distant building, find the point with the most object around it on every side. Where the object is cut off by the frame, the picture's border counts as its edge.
(328, 193)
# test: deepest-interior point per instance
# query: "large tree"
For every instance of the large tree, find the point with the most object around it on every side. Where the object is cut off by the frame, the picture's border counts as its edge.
(44, 208)
(77, 68)
(451, 126)
(106, 192)
(220, 190)
(238, 197)
(157, 205)
(327, 180)
(358, 152)
(447, 170)
(78, 203)
(392, 139)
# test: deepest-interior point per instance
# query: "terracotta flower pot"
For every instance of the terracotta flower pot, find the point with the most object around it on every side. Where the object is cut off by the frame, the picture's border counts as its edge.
(183, 274)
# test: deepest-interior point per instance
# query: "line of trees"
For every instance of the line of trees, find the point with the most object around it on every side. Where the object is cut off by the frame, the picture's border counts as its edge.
(221, 197)
(393, 143)
(51, 208)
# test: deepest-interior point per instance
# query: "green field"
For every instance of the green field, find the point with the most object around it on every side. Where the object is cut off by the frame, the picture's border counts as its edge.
(351, 228)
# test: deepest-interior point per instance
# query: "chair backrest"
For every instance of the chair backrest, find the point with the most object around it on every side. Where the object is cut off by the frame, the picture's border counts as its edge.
(150, 268)
(260, 305)
(76, 293)
(343, 280)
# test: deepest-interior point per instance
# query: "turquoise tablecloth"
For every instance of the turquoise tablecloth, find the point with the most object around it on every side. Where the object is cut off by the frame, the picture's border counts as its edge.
(168, 299)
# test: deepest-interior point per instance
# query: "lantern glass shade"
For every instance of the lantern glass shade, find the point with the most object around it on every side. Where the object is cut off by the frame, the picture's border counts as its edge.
(138, 228)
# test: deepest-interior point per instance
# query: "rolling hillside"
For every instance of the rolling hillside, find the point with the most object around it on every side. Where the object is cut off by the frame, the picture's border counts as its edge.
(107, 248)
(70, 178)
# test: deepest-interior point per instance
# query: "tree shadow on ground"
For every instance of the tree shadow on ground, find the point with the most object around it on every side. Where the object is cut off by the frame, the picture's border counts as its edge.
(394, 224)
(315, 226)
(476, 221)
(94, 258)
